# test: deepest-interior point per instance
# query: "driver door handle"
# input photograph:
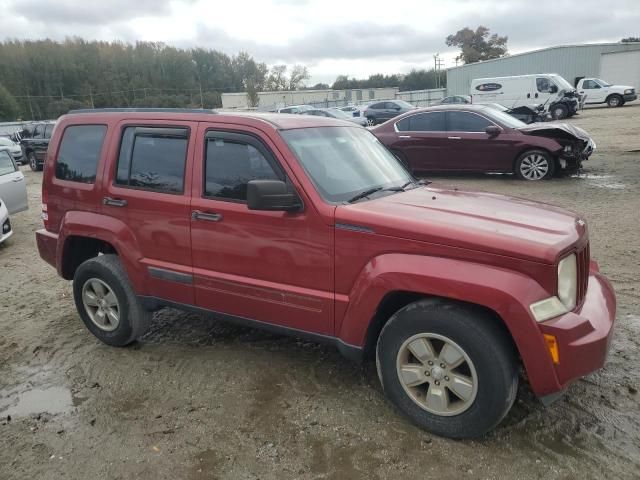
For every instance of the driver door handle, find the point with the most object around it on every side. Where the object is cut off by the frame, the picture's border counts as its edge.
(211, 217)
(114, 202)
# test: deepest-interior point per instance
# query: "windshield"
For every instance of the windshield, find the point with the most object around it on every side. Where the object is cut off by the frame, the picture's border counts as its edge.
(561, 82)
(602, 83)
(403, 104)
(344, 161)
(337, 113)
(505, 119)
(5, 142)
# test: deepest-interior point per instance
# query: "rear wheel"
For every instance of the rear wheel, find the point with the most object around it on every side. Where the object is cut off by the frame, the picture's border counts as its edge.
(615, 101)
(534, 165)
(107, 303)
(33, 162)
(449, 368)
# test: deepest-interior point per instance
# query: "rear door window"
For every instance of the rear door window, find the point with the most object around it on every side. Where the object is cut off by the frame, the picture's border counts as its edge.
(153, 158)
(423, 122)
(79, 153)
(466, 122)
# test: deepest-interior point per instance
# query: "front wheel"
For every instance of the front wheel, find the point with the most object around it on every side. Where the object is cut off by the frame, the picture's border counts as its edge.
(534, 165)
(559, 111)
(615, 101)
(371, 121)
(107, 303)
(449, 368)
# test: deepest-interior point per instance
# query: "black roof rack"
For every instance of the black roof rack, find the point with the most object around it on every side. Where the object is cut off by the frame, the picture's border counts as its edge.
(143, 110)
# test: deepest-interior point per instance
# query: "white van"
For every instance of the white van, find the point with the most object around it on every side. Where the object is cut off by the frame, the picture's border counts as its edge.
(519, 90)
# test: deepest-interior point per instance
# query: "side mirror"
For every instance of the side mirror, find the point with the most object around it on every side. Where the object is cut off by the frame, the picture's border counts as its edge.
(272, 195)
(492, 130)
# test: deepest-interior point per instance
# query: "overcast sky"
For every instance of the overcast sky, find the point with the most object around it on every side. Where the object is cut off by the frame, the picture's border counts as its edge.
(331, 37)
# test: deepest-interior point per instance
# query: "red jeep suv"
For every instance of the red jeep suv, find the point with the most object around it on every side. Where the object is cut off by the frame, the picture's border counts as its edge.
(309, 226)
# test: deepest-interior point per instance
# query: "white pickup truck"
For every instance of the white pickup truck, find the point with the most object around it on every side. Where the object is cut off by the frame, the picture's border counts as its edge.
(599, 91)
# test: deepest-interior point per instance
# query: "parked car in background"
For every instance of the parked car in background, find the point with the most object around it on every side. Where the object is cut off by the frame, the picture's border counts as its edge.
(5, 222)
(14, 149)
(34, 140)
(455, 99)
(295, 109)
(379, 112)
(336, 113)
(599, 91)
(478, 138)
(560, 99)
(308, 226)
(524, 113)
(352, 109)
(13, 188)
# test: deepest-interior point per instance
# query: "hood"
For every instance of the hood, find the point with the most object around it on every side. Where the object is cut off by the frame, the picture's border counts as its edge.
(563, 130)
(477, 221)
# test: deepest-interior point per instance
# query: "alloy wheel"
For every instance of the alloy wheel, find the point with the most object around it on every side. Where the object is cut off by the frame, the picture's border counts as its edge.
(614, 101)
(101, 304)
(437, 374)
(534, 166)
(371, 122)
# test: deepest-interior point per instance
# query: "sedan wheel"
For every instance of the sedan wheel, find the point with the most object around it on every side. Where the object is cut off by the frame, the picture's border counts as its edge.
(534, 165)
(371, 121)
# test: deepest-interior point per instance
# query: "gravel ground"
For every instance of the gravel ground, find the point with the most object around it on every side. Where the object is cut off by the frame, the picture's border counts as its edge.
(199, 399)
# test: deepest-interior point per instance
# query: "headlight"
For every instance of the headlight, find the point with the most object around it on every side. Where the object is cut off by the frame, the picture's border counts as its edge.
(628, 91)
(565, 301)
(568, 281)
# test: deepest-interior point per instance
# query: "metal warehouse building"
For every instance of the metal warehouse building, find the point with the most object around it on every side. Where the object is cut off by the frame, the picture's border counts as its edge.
(570, 61)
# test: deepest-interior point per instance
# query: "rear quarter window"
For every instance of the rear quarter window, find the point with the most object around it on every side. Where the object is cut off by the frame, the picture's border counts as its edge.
(79, 153)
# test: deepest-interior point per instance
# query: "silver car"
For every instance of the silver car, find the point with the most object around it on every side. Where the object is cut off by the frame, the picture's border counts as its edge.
(13, 188)
(5, 222)
(14, 149)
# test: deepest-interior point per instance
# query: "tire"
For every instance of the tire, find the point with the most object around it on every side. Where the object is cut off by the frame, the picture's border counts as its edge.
(33, 162)
(615, 101)
(371, 121)
(489, 362)
(559, 111)
(534, 165)
(132, 319)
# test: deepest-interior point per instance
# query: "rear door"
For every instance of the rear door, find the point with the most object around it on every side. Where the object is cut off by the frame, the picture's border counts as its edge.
(422, 139)
(148, 191)
(470, 146)
(13, 189)
(274, 267)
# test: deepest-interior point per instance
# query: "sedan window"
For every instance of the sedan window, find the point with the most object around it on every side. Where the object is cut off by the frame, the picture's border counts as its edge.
(423, 122)
(466, 122)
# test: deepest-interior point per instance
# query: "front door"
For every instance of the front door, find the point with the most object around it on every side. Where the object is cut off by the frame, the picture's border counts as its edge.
(473, 149)
(594, 91)
(147, 190)
(274, 267)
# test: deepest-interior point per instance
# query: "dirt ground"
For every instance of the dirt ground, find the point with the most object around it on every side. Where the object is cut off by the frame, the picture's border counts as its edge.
(198, 399)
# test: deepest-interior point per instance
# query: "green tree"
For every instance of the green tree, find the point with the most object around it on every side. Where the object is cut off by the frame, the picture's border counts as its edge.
(630, 40)
(8, 106)
(478, 45)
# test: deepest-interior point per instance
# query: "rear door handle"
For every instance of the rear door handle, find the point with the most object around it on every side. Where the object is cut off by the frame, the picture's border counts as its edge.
(404, 136)
(114, 202)
(211, 217)
(454, 138)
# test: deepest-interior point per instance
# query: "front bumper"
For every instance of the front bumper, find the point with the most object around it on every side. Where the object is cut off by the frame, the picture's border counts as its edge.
(630, 97)
(584, 335)
(5, 228)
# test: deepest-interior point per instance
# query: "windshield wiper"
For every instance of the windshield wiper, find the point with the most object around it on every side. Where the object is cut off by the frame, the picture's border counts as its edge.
(363, 194)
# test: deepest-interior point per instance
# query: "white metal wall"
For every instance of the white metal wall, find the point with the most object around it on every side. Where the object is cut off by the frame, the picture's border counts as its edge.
(622, 68)
(571, 62)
